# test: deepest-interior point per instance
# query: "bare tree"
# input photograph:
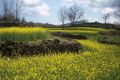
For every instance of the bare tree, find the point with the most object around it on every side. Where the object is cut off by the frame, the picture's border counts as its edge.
(18, 8)
(11, 9)
(0, 16)
(74, 13)
(105, 17)
(5, 8)
(62, 16)
(10, 12)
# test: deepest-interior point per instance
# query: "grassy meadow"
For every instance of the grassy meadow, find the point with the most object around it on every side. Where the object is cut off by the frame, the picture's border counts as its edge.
(97, 62)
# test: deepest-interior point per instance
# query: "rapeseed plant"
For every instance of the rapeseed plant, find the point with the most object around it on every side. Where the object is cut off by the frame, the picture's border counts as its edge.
(23, 34)
(97, 62)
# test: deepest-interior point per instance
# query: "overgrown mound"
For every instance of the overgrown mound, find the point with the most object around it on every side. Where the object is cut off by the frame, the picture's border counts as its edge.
(11, 48)
(68, 35)
(114, 32)
(111, 37)
(107, 40)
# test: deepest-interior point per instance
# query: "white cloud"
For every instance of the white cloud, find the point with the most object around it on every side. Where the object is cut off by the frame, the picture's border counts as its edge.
(108, 10)
(32, 3)
(94, 4)
(43, 10)
(113, 19)
(92, 19)
(36, 7)
(103, 10)
(71, 2)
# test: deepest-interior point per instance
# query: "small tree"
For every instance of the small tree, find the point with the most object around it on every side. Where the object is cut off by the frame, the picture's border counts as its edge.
(23, 20)
(105, 17)
(74, 13)
(5, 9)
(18, 8)
(62, 16)
(0, 17)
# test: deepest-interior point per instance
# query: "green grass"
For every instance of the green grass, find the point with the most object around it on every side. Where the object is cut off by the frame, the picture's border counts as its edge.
(23, 34)
(81, 28)
(97, 62)
(108, 38)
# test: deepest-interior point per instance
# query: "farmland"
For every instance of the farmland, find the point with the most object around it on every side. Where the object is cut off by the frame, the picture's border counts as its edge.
(99, 61)
(23, 34)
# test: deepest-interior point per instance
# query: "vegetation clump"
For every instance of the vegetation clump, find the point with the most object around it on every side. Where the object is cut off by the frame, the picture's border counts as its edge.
(110, 37)
(12, 48)
(113, 32)
(68, 35)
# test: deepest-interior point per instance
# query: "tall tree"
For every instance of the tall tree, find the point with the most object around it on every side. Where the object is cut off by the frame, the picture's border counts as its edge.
(18, 8)
(11, 9)
(62, 16)
(74, 13)
(5, 8)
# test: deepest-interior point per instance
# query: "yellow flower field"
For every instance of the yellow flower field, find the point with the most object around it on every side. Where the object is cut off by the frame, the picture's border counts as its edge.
(23, 34)
(97, 62)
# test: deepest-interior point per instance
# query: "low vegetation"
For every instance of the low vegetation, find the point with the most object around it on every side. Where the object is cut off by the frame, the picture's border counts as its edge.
(11, 48)
(23, 34)
(110, 37)
(68, 35)
(98, 62)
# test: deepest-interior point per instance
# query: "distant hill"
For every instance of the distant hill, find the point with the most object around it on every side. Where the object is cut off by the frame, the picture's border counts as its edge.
(92, 24)
(77, 23)
(82, 23)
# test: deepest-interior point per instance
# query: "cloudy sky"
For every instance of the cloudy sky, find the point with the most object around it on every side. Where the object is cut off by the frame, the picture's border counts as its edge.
(46, 11)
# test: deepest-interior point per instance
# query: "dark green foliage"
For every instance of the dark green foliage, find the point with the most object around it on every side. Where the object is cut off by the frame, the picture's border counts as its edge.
(109, 40)
(68, 35)
(12, 48)
(111, 37)
(9, 48)
(113, 32)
